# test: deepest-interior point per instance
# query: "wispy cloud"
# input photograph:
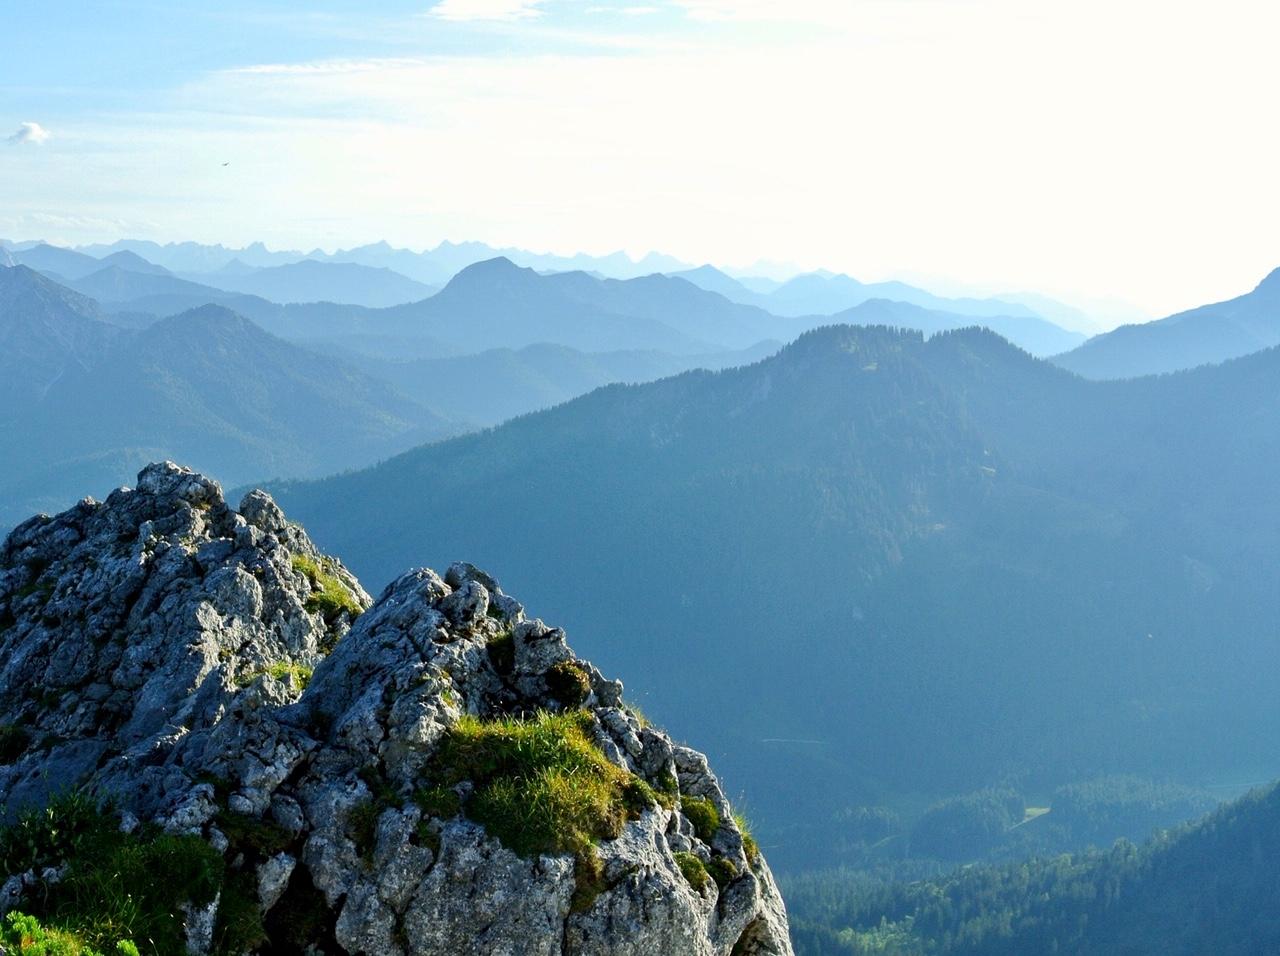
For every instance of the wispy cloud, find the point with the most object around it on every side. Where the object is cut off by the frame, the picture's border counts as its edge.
(29, 134)
(873, 136)
(486, 9)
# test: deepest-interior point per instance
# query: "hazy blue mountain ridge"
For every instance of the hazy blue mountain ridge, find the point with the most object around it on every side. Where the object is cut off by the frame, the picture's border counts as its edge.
(206, 386)
(46, 331)
(1208, 334)
(310, 280)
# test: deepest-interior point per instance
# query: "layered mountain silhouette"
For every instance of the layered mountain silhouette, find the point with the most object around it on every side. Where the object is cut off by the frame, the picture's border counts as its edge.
(96, 392)
(499, 304)
(1208, 334)
(207, 384)
(1037, 336)
(313, 281)
(495, 303)
(824, 293)
(490, 387)
(909, 562)
(432, 266)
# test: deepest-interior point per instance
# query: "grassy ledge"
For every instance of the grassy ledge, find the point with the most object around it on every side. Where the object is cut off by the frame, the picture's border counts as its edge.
(117, 888)
(541, 786)
(329, 596)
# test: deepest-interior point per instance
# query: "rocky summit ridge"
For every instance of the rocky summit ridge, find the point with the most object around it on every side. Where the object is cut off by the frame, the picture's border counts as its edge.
(428, 773)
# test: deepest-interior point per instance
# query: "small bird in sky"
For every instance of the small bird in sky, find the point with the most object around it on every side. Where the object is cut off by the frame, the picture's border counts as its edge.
(228, 163)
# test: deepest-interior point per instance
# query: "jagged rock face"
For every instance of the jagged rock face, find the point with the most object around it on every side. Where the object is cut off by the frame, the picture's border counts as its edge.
(128, 627)
(155, 647)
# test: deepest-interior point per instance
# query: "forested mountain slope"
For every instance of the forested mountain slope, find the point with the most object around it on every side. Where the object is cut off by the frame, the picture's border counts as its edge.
(909, 563)
(1209, 887)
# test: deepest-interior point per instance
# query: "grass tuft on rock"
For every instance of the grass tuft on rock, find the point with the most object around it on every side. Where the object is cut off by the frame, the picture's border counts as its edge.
(116, 887)
(541, 784)
(329, 596)
(300, 673)
(749, 844)
(568, 683)
(693, 869)
(441, 803)
(723, 870)
(704, 816)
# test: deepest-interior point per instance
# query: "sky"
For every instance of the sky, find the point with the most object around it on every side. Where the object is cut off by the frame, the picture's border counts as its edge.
(1089, 150)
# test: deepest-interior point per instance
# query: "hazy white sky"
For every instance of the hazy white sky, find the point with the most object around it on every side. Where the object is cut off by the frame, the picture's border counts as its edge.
(1122, 149)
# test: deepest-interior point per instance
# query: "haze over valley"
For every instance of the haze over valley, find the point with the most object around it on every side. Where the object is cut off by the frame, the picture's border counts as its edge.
(687, 478)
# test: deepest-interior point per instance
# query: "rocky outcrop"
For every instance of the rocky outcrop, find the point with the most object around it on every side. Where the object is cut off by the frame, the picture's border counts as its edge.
(211, 672)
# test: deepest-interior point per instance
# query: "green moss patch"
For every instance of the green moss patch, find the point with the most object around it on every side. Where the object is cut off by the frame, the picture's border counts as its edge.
(300, 673)
(22, 933)
(704, 816)
(329, 596)
(693, 869)
(568, 683)
(722, 870)
(541, 784)
(588, 880)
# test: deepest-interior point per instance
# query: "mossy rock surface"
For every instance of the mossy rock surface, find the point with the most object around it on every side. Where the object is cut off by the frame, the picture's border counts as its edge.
(540, 784)
(704, 816)
(329, 597)
(694, 870)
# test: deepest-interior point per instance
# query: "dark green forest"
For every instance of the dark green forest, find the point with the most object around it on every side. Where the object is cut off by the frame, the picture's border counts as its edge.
(1206, 887)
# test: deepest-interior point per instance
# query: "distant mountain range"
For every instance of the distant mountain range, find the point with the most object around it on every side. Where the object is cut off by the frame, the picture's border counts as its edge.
(90, 400)
(67, 264)
(910, 563)
(1035, 335)
(253, 280)
(312, 281)
(91, 391)
(490, 387)
(826, 294)
(432, 267)
(1211, 333)
(817, 293)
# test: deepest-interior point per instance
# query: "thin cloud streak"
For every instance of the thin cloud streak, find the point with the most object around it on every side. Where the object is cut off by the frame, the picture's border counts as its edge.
(466, 10)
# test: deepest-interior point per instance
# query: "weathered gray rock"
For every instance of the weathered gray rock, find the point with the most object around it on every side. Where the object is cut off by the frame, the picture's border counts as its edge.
(163, 641)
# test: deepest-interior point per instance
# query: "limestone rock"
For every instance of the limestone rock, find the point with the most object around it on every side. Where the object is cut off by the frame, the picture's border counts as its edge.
(215, 674)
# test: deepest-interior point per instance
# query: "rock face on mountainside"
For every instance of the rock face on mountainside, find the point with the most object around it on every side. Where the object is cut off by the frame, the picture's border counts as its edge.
(432, 772)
